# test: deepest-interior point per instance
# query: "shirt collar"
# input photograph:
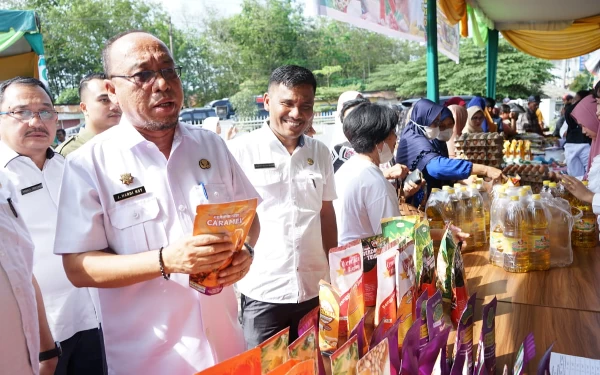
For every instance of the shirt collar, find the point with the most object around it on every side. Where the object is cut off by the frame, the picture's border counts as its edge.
(7, 154)
(128, 136)
(273, 138)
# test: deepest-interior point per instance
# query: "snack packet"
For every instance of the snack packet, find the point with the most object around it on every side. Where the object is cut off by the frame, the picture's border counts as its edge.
(345, 359)
(436, 324)
(246, 363)
(303, 347)
(284, 368)
(371, 248)
(376, 361)
(399, 228)
(433, 355)
(303, 368)
(544, 365)
(410, 350)
(479, 367)
(445, 266)
(505, 372)
(311, 319)
(329, 316)
(459, 286)
(346, 272)
(459, 366)
(524, 355)
(426, 275)
(361, 338)
(233, 219)
(405, 288)
(464, 334)
(421, 316)
(273, 351)
(488, 335)
(386, 307)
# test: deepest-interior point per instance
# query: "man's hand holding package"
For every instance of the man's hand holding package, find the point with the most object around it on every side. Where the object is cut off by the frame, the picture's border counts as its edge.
(238, 268)
(196, 254)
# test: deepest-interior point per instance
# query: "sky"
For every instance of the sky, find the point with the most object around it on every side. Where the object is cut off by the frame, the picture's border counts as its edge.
(190, 12)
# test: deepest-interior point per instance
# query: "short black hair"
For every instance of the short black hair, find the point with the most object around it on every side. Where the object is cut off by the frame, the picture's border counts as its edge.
(84, 81)
(27, 81)
(109, 44)
(582, 93)
(349, 104)
(61, 131)
(369, 124)
(489, 102)
(505, 108)
(291, 76)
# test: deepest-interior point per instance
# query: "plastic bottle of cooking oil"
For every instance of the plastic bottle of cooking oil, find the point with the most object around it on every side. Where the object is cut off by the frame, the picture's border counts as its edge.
(553, 190)
(478, 231)
(584, 232)
(545, 186)
(487, 204)
(434, 210)
(454, 209)
(516, 249)
(445, 187)
(497, 242)
(465, 197)
(525, 194)
(538, 219)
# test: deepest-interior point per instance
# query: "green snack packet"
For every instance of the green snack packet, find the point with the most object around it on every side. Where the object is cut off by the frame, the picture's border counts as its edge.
(425, 259)
(399, 228)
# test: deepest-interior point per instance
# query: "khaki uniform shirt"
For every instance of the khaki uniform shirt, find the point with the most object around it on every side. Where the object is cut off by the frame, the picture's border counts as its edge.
(74, 142)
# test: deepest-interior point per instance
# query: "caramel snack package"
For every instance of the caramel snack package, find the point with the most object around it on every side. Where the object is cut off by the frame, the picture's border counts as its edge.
(376, 361)
(274, 350)
(329, 317)
(405, 288)
(247, 363)
(386, 307)
(303, 368)
(284, 368)
(371, 248)
(346, 272)
(233, 219)
(345, 359)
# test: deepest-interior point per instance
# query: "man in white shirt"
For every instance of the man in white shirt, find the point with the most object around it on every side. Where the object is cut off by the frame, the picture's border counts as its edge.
(27, 128)
(23, 327)
(294, 175)
(126, 219)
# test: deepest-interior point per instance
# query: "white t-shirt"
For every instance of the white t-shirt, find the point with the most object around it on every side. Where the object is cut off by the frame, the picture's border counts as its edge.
(364, 198)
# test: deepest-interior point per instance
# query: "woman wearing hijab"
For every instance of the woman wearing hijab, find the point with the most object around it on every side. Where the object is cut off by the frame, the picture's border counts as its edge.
(419, 149)
(459, 114)
(475, 120)
(488, 124)
(455, 100)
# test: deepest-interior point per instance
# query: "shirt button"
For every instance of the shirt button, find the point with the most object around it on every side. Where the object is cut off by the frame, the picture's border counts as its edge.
(181, 207)
(216, 193)
(136, 215)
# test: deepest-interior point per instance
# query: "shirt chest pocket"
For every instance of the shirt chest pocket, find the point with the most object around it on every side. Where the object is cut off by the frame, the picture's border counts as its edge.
(136, 227)
(311, 188)
(267, 183)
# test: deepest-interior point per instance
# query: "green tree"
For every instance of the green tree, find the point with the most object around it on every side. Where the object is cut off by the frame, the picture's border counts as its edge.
(68, 96)
(244, 101)
(327, 72)
(583, 81)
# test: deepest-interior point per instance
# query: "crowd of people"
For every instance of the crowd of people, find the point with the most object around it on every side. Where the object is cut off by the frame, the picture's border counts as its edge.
(97, 243)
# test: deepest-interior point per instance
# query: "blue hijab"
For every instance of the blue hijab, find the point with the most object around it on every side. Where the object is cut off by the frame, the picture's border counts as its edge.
(415, 150)
(480, 102)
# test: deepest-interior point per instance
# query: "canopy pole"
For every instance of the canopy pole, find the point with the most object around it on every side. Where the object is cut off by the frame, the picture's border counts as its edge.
(433, 92)
(492, 63)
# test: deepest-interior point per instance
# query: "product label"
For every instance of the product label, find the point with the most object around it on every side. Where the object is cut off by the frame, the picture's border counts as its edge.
(539, 243)
(514, 245)
(350, 264)
(497, 241)
(586, 225)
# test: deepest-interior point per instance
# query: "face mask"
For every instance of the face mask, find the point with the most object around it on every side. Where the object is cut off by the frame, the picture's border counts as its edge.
(385, 154)
(445, 135)
(430, 133)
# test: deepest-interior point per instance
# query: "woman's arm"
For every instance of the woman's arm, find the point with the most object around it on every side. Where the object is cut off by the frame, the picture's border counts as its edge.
(443, 168)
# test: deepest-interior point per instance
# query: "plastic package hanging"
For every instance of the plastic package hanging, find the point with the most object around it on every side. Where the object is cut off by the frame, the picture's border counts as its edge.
(563, 218)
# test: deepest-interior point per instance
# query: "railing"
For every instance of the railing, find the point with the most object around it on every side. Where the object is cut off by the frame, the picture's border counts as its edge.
(253, 123)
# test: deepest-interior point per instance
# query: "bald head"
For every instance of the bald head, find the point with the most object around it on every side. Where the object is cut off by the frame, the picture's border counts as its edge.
(121, 42)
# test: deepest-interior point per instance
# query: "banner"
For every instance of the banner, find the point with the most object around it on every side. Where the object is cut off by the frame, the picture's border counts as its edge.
(402, 19)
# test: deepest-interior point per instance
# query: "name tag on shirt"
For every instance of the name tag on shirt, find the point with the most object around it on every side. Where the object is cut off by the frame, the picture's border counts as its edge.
(264, 166)
(31, 189)
(129, 193)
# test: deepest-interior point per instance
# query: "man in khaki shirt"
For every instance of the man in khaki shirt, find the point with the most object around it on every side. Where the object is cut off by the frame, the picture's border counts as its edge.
(100, 113)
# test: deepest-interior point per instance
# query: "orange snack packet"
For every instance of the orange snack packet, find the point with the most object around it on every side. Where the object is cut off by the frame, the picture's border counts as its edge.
(284, 368)
(247, 363)
(233, 219)
(303, 368)
(386, 307)
(329, 316)
(274, 350)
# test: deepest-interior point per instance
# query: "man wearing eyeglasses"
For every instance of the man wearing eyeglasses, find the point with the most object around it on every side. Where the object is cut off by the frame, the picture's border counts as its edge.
(127, 208)
(27, 129)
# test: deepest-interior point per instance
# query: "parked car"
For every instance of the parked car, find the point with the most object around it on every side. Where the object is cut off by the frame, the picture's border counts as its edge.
(196, 116)
(223, 108)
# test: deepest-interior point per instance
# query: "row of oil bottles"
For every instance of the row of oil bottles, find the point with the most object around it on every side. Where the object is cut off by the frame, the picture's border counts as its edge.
(520, 221)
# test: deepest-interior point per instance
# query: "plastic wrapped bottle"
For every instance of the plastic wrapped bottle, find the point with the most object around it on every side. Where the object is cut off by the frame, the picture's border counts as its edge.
(497, 242)
(465, 197)
(434, 210)
(584, 233)
(487, 204)
(553, 190)
(545, 187)
(516, 249)
(538, 219)
(454, 209)
(478, 230)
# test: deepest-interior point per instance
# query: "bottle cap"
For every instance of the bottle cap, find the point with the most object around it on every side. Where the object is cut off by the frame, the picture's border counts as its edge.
(553, 184)
(514, 198)
(546, 182)
(536, 197)
(523, 192)
(463, 189)
(527, 188)
(445, 187)
(502, 195)
(457, 185)
(435, 190)
(450, 191)
(585, 183)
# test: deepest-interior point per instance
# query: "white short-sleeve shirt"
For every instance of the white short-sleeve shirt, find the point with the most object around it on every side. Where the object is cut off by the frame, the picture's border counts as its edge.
(20, 344)
(120, 192)
(364, 198)
(69, 310)
(289, 257)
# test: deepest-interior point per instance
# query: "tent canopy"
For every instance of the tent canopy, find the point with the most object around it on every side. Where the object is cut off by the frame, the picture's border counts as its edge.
(21, 45)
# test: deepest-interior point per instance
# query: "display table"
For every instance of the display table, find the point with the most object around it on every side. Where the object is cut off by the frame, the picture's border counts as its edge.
(561, 305)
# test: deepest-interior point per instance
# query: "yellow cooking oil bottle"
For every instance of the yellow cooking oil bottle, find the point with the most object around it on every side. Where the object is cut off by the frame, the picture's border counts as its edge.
(487, 204)
(478, 231)
(465, 197)
(538, 219)
(516, 249)
(585, 230)
(497, 242)
(454, 210)
(434, 210)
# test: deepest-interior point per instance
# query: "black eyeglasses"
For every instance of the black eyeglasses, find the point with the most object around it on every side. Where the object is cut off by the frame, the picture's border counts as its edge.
(27, 115)
(147, 77)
